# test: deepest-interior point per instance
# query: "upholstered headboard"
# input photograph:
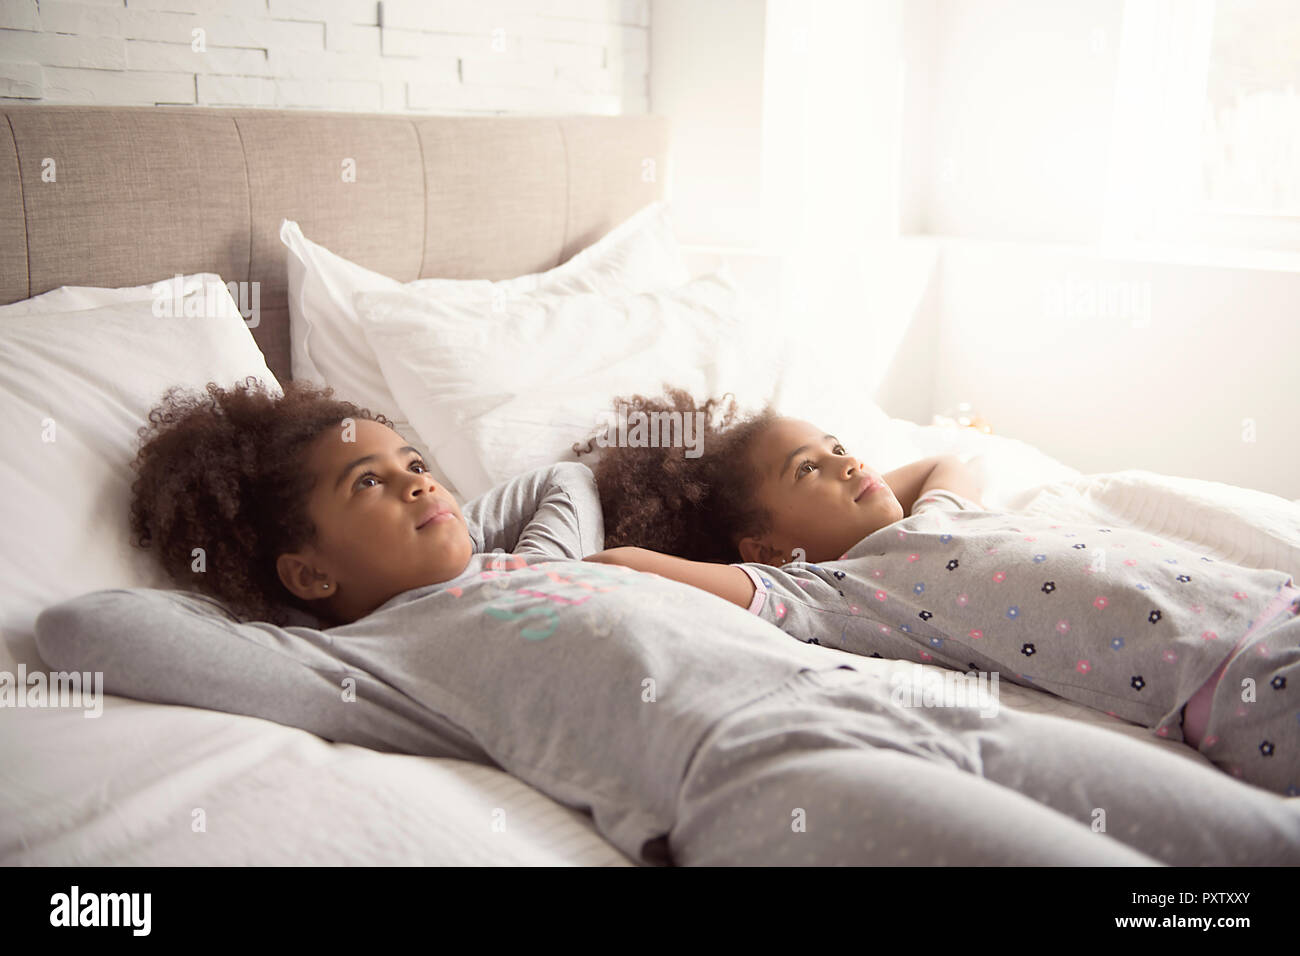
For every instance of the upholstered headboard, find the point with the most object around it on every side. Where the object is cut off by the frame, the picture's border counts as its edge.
(122, 196)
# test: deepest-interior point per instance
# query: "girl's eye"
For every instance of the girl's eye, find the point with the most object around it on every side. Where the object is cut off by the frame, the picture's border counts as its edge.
(839, 450)
(371, 474)
(803, 465)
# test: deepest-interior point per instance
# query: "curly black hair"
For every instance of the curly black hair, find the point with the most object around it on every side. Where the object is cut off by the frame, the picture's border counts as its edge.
(695, 508)
(226, 472)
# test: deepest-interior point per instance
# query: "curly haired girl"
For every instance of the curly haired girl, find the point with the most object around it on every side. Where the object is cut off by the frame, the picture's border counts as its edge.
(265, 502)
(781, 519)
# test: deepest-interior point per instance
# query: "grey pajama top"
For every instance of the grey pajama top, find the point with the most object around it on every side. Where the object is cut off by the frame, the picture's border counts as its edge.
(1111, 618)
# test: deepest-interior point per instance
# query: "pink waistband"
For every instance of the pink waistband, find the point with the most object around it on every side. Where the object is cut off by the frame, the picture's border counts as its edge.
(1196, 715)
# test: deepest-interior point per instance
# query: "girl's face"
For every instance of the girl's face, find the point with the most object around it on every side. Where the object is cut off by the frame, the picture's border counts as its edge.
(821, 499)
(372, 503)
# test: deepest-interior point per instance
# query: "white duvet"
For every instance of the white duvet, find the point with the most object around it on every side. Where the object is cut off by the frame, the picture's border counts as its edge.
(147, 784)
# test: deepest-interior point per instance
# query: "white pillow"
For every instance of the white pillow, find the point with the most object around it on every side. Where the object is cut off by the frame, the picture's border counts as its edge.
(87, 379)
(498, 393)
(328, 346)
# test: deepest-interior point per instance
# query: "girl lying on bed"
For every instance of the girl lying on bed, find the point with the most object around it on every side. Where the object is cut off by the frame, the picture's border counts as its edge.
(778, 517)
(692, 731)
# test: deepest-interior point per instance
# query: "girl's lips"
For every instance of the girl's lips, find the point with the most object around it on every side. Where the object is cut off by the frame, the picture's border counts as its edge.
(869, 485)
(437, 516)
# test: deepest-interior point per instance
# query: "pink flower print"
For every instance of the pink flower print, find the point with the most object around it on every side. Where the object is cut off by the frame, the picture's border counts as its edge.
(456, 592)
(1062, 626)
(914, 557)
(902, 535)
(1030, 537)
(1162, 732)
(1198, 608)
(1238, 595)
(1111, 713)
(1169, 657)
(1055, 526)
(880, 595)
(1210, 741)
(1209, 635)
(977, 634)
(1130, 561)
(962, 599)
(843, 556)
(925, 656)
(877, 573)
(884, 629)
(1262, 650)
(780, 609)
(990, 550)
(1000, 576)
(1083, 667)
(1100, 603)
(853, 609)
(1156, 544)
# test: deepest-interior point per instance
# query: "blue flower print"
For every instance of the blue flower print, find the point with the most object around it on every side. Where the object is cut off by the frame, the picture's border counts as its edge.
(918, 587)
(936, 642)
(1079, 546)
(766, 582)
(1184, 578)
(1039, 558)
(1117, 643)
(1013, 612)
(945, 538)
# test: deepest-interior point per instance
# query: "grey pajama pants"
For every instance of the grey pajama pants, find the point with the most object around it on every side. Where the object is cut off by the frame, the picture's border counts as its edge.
(828, 770)
(1253, 732)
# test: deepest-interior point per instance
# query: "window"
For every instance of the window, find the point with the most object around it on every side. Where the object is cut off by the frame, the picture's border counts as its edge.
(1206, 138)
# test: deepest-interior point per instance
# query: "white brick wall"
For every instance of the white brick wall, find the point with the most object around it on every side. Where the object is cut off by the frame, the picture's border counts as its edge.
(397, 56)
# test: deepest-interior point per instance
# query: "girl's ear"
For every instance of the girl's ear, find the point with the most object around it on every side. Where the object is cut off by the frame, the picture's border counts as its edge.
(301, 579)
(758, 551)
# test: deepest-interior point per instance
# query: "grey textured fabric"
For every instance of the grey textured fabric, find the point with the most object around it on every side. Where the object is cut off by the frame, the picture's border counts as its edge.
(143, 193)
(13, 228)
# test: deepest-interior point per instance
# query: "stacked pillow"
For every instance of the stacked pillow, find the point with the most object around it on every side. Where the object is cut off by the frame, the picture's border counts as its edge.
(330, 347)
(81, 369)
(493, 379)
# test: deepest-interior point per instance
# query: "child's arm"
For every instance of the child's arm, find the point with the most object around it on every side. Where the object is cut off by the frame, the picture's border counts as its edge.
(953, 474)
(907, 482)
(553, 510)
(724, 580)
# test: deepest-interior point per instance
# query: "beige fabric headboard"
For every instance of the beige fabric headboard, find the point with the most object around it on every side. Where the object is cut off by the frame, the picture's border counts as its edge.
(122, 196)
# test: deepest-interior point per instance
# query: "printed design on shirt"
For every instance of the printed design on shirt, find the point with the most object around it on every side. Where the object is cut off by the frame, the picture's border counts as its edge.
(541, 603)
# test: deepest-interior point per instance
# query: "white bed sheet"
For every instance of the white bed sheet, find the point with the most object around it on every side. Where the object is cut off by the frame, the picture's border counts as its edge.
(127, 787)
